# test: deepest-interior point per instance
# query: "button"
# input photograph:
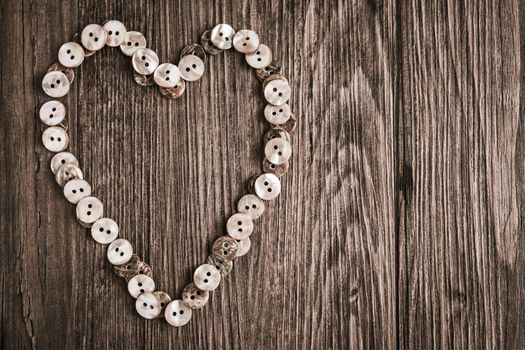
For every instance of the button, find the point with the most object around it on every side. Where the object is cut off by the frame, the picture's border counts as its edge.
(193, 49)
(273, 68)
(148, 306)
(277, 115)
(164, 300)
(133, 41)
(133, 267)
(76, 189)
(260, 58)
(57, 67)
(207, 277)
(193, 297)
(267, 186)
(278, 150)
(225, 248)
(167, 75)
(62, 158)
(116, 33)
(277, 170)
(174, 92)
(52, 113)
(191, 68)
(104, 231)
(177, 313)
(140, 284)
(244, 246)
(207, 45)
(145, 61)
(119, 252)
(239, 226)
(246, 41)
(290, 125)
(276, 132)
(93, 37)
(71, 55)
(224, 267)
(252, 205)
(55, 139)
(67, 172)
(222, 36)
(55, 84)
(143, 80)
(89, 210)
(277, 91)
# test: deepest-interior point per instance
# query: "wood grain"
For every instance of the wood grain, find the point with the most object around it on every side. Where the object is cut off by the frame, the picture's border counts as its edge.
(399, 224)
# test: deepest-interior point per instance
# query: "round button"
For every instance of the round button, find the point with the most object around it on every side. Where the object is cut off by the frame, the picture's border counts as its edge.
(260, 58)
(174, 92)
(273, 68)
(104, 231)
(89, 210)
(191, 68)
(239, 226)
(278, 151)
(225, 248)
(277, 114)
(76, 189)
(68, 172)
(267, 186)
(93, 37)
(71, 55)
(244, 246)
(177, 313)
(52, 113)
(277, 91)
(224, 267)
(145, 61)
(148, 306)
(116, 33)
(55, 84)
(207, 45)
(167, 75)
(132, 268)
(55, 139)
(140, 284)
(164, 300)
(62, 158)
(68, 72)
(194, 297)
(207, 277)
(252, 205)
(278, 170)
(246, 41)
(119, 252)
(133, 41)
(222, 36)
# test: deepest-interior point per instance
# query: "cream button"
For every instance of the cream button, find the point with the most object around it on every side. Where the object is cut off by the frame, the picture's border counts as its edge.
(260, 58)
(55, 84)
(89, 210)
(167, 75)
(52, 113)
(191, 68)
(76, 189)
(145, 61)
(225, 248)
(71, 55)
(207, 277)
(68, 172)
(222, 36)
(246, 41)
(140, 284)
(132, 268)
(244, 246)
(278, 170)
(68, 72)
(252, 205)
(119, 252)
(104, 231)
(93, 37)
(148, 306)
(194, 297)
(277, 91)
(177, 313)
(277, 115)
(116, 33)
(55, 139)
(224, 267)
(239, 226)
(267, 186)
(278, 151)
(133, 41)
(62, 158)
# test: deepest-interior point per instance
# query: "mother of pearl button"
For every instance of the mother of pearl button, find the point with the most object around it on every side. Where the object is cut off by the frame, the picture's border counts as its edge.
(194, 297)
(225, 248)
(116, 33)
(55, 139)
(177, 313)
(71, 55)
(76, 189)
(277, 114)
(133, 267)
(277, 91)
(93, 37)
(55, 84)
(62, 158)
(140, 284)
(239, 226)
(260, 58)
(119, 251)
(133, 41)
(224, 267)
(191, 68)
(267, 186)
(167, 75)
(246, 41)
(207, 277)
(148, 306)
(52, 113)
(278, 151)
(222, 36)
(104, 230)
(145, 61)
(68, 172)
(244, 246)
(89, 210)
(251, 205)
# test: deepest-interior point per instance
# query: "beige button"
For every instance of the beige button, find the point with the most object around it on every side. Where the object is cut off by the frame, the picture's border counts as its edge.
(224, 267)
(67, 172)
(119, 252)
(132, 268)
(222, 36)
(143, 80)
(278, 170)
(140, 284)
(177, 313)
(193, 49)
(207, 277)
(273, 68)
(267, 186)
(252, 205)
(260, 58)
(194, 297)
(174, 92)
(116, 33)
(148, 306)
(277, 91)
(246, 41)
(167, 75)
(276, 132)
(244, 246)
(52, 113)
(145, 61)
(89, 210)
(207, 45)
(133, 41)
(239, 226)
(277, 115)
(225, 248)
(55, 139)
(93, 37)
(62, 158)
(191, 68)
(55, 84)
(71, 55)
(278, 151)
(76, 189)
(104, 230)
(68, 72)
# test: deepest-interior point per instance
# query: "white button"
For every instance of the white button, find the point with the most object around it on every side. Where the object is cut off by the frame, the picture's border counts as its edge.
(239, 226)
(244, 246)
(71, 55)
(278, 151)
(55, 84)
(55, 139)
(207, 277)
(120, 252)
(246, 41)
(68, 172)
(191, 68)
(104, 231)
(116, 32)
(267, 186)
(277, 92)
(132, 42)
(177, 313)
(167, 75)
(222, 36)
(148, 306)
(62, 158)
(76, 189)
(89, 210)
(93, 37)
(145, 61)
(277, 114)
(251, 205)
(140, 284)
(52, 113)
(260, 58)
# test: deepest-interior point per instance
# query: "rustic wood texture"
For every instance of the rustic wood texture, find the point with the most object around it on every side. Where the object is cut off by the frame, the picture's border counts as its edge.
(399, 224)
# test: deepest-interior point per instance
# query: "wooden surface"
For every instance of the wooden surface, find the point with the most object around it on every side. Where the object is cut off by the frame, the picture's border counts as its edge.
(400, 222)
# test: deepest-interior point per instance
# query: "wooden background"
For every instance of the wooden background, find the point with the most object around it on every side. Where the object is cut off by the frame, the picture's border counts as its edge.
(400, 223)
